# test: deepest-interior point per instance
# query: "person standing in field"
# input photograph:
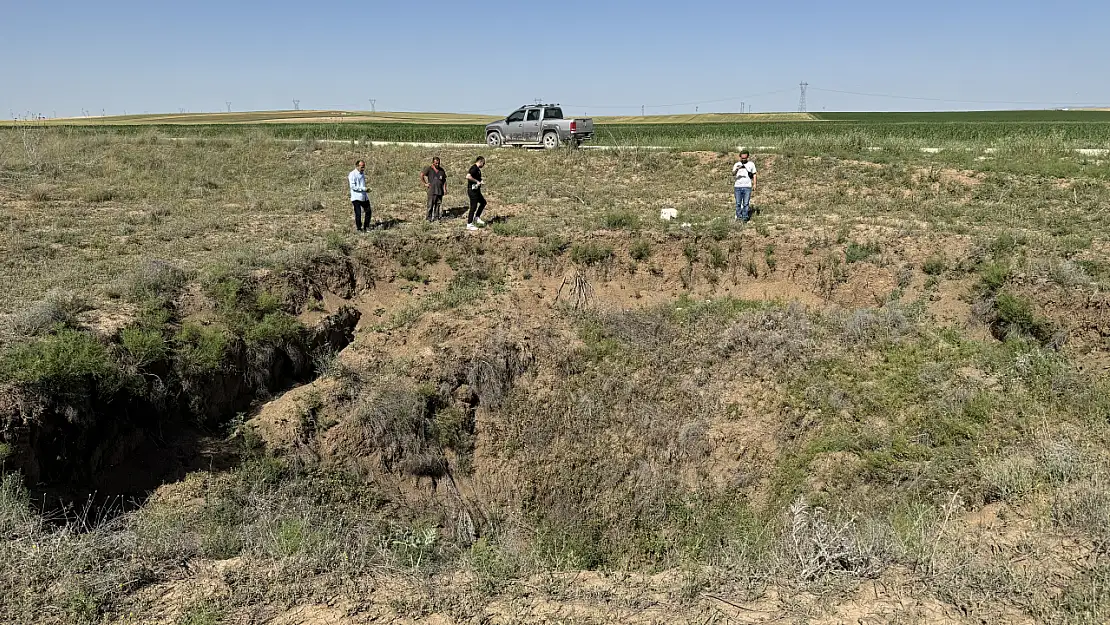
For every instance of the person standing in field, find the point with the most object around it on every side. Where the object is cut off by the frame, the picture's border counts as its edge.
(435, 181)
(744, 172)
(474, 192)
(360, 199)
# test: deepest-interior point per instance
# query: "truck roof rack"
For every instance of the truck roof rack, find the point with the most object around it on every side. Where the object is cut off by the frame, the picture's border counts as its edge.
(534, 105)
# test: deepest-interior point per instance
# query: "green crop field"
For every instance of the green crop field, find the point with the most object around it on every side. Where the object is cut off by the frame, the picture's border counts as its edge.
(805, 136)
(1055, 117)
(818, 133)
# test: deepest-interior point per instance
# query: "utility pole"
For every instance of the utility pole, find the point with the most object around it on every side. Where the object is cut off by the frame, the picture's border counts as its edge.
(228, 103)
(296, 104)
(802, 99)
(373, 105)
(641, 110)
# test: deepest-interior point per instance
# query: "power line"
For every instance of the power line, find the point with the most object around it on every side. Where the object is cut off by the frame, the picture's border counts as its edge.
(928, 99)
(698, 103)
(802, 101)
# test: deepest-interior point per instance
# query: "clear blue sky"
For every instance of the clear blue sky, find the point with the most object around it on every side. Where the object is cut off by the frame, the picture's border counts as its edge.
(596, 57)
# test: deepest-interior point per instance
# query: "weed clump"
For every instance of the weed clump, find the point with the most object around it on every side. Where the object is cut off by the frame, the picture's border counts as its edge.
(57, 310)
(398, 424)
(200, 349)
(934, 265)
(157, 282)
(777, 337)
(1014, 315)
(856, 252)
(551, 246)
(143, 346)
(64, 359)
(591, 253)
(620, 220)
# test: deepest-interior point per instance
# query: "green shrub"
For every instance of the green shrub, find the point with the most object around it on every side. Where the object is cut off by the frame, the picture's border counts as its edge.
(934, 265)
(508, 228)
(227, 288)
(274, 329)
(769, 258)
(412, 274)
(591, 253)
(690, 251)
(337, 241)
(718, 229)
(144, 345)
(718, 259)
(266, 302)
(551, 246)
(201, 349)
(429, 255)
(62, 358)
(992, 276)
(204, 613)
(856, 252)
(1003, 245)
(620, 220)
(640, 250)
(1017, 313)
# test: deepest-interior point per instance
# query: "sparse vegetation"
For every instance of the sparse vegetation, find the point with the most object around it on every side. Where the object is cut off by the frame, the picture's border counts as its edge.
(591, 253)
(935, 265)
(676, 419)
(856, 252)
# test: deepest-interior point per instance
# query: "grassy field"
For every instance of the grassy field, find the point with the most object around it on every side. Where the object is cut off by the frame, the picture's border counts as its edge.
(823, 133)
(885, 399)
(300, 117)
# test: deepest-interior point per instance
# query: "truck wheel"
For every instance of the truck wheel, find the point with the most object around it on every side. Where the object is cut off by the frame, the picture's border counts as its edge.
(550, 140)
(494, 140)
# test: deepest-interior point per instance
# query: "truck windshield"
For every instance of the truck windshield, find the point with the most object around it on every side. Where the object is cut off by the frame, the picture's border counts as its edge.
(553, 113)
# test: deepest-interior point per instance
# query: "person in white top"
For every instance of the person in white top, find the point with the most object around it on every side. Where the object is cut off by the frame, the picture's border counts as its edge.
(360, 199)
(744, 172)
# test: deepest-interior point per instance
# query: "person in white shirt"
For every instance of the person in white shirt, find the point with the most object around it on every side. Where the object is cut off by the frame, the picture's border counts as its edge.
(744, 171)
(360, 199)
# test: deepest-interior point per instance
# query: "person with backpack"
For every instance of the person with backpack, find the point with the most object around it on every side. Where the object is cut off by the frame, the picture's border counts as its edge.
(744, 171)
(474, 192)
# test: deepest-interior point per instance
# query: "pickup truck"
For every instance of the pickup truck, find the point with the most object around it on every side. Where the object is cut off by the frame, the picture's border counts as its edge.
(539, 124)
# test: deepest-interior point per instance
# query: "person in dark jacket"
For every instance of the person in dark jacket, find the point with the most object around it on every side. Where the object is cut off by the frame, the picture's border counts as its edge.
(435, 181)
